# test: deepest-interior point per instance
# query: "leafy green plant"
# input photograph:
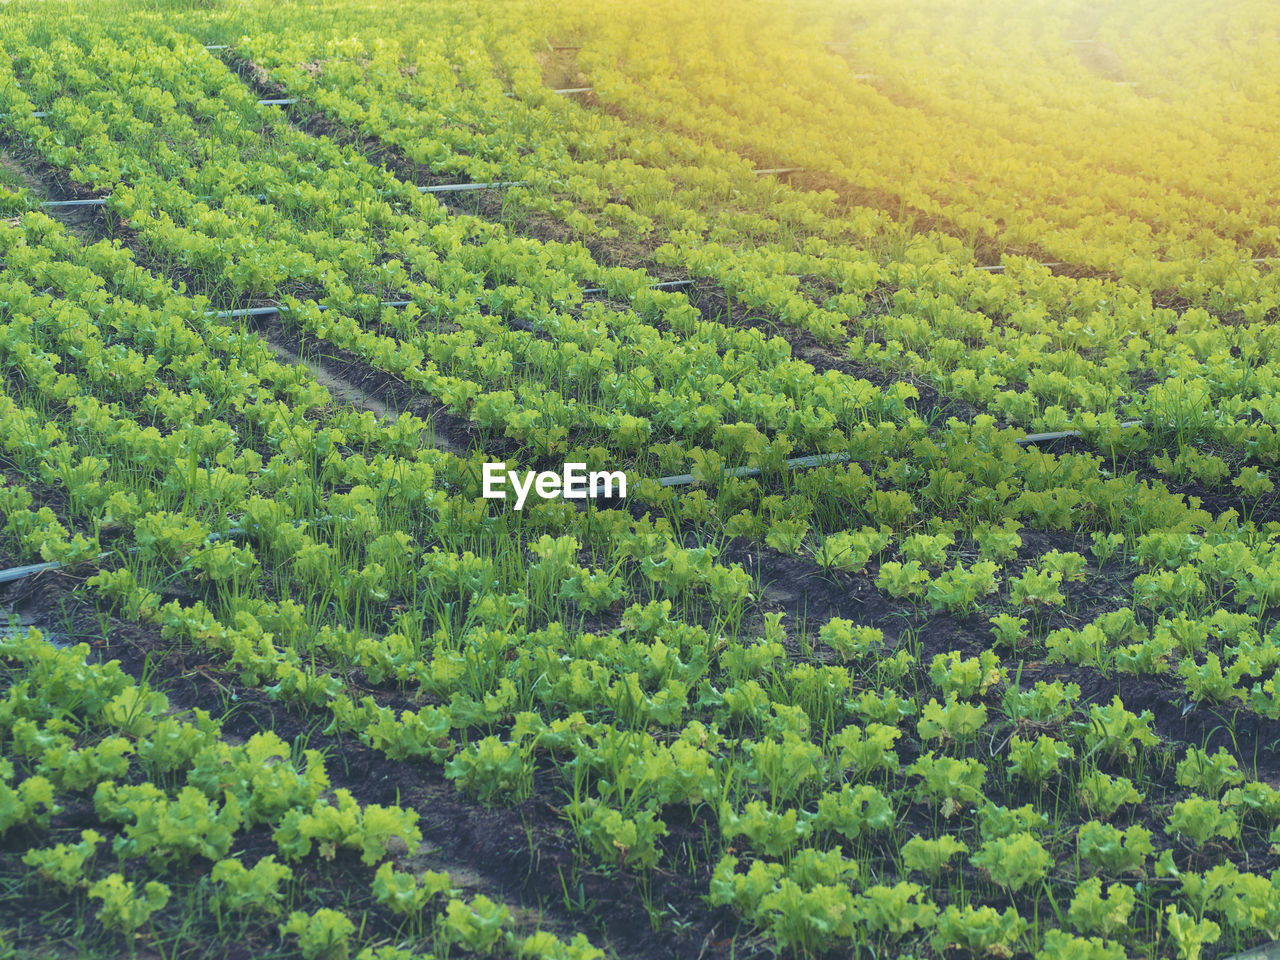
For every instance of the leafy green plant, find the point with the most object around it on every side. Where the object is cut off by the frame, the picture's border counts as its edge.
(1036, 761)
(1059, 945)
(947, 781)
(1115, 733)
(1115, 852)
(250, 890)
(931, 857)
(850, 641)
(1206, 774)
(64, 863)
(1014, 861)
(909, 581)
(1091, 912)
(1008, 630)
(853, 812)
(368, 829)
(1189, 936)
(479, 926)
(966, 677)
(492, 770)
(323, 935)
(1200, 819)
(980, 930)
(123, 909)
(408, 893)
(895, 911)
(1103, 794)
(614, 838)
(958, 589)
(952, 721)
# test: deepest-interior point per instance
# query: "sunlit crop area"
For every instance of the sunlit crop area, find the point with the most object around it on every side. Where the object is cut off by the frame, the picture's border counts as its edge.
(936, 344)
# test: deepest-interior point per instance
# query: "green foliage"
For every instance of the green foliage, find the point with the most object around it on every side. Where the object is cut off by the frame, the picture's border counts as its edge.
(479, 926)
(1113, 851)
(969, 677)
(896, 911)
(1014, 861)
(122, 908)
(64, 864)
(1036, 761)
(1115, 733)
(980, 930)
(850, 641)
(492, 770)
(627, 841)
(952, 721)
(947, 781)
(1206, 774)
(1059, 945)
(323, 935)
(1189, 936)
(408, 893)
(1103, 794)
(1200, 819)
(368, 829)
(1091, 912)
(931, 857)
(250, 890)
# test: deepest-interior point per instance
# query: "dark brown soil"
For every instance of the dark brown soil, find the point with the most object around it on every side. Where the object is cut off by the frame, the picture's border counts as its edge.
(458, 433)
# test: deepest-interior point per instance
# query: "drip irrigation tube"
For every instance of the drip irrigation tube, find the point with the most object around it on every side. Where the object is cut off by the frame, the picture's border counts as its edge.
(776, 170)
(997, 268)
(269, 311)
(242, 312)
(662, 285)
(821, 459)
(21, 573)
(680, 480)
(95, 202)
(568, 90)
(262, 103)
(463, 187)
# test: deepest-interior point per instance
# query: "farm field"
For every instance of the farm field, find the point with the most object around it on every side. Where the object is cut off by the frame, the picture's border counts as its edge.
(919, 364)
